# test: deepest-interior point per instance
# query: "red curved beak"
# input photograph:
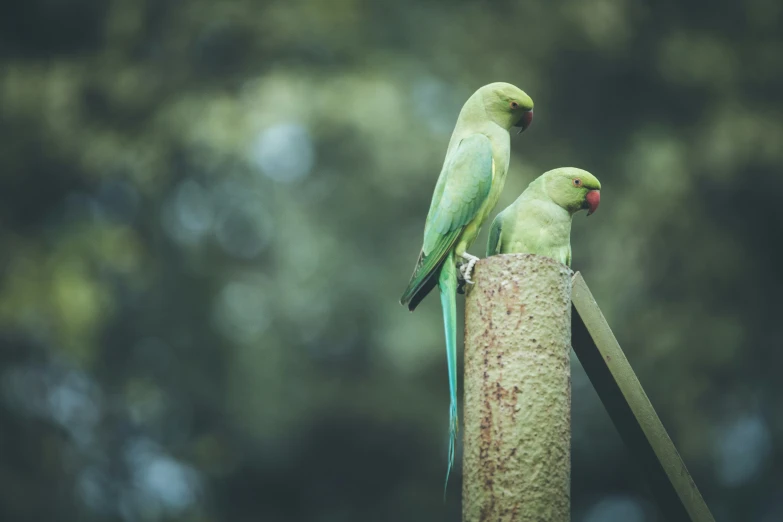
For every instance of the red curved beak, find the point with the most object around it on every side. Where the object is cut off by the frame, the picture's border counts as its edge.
(525, 121)
(593, 198)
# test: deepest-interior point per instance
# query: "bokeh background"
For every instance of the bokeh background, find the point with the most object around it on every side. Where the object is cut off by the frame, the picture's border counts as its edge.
(209, 209)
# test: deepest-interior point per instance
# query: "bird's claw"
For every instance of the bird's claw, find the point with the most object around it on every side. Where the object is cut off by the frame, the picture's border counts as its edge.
(466, 269)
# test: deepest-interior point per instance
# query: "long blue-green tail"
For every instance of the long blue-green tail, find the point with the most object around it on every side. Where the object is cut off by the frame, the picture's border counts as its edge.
(447, 282)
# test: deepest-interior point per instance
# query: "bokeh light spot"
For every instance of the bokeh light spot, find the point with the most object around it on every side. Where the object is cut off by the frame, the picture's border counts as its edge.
(284, 152)
(741, 450)
(616, 509)
(241, 311)
(188, 214)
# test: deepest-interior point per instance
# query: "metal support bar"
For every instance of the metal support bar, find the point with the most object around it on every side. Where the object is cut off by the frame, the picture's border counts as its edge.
(631, 412)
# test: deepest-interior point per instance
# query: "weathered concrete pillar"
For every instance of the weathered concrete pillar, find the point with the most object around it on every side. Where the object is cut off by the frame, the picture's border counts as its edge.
(517, 407)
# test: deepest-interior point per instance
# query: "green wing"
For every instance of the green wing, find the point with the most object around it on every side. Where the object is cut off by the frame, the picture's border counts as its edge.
(493, 244)
(461, 190)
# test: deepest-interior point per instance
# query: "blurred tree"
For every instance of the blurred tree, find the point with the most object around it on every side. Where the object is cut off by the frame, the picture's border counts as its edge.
(209, 209)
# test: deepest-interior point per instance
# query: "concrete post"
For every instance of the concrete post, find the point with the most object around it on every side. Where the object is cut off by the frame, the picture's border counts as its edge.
(517, 406)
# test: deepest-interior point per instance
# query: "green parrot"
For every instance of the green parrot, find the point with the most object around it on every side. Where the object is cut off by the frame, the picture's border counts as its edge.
(539, 221)
(467, 190)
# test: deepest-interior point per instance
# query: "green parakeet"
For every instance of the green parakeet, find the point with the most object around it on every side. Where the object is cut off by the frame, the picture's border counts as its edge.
(539, 221)
(467, 190)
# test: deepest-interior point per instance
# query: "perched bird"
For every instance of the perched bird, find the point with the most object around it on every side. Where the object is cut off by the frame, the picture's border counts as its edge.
(539, 221)
(467, 190)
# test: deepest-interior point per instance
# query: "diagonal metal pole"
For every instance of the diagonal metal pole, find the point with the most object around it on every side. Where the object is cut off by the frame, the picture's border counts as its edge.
(631, 411)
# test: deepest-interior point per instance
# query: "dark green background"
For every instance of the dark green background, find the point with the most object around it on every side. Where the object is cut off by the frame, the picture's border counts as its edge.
(209, 209)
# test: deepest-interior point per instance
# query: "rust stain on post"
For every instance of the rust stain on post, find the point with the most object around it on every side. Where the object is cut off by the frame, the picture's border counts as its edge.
(517, 416)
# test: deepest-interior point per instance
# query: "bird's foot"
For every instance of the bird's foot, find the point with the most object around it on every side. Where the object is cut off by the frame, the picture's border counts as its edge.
(466, 269)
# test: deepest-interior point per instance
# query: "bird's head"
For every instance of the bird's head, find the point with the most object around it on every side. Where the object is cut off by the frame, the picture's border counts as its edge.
(573, 189)
(507, 105)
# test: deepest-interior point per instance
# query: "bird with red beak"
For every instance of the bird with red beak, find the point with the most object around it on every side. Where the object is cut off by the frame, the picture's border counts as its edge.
(539, 221)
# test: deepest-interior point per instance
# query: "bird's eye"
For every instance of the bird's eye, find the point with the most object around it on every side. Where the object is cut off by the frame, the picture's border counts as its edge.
(514, 105)
(577, 182)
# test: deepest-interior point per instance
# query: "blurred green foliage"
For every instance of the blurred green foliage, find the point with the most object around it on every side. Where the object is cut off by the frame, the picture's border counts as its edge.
(208, 211)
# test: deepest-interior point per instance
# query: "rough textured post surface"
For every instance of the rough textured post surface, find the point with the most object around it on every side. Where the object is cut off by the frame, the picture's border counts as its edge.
(517, 414)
